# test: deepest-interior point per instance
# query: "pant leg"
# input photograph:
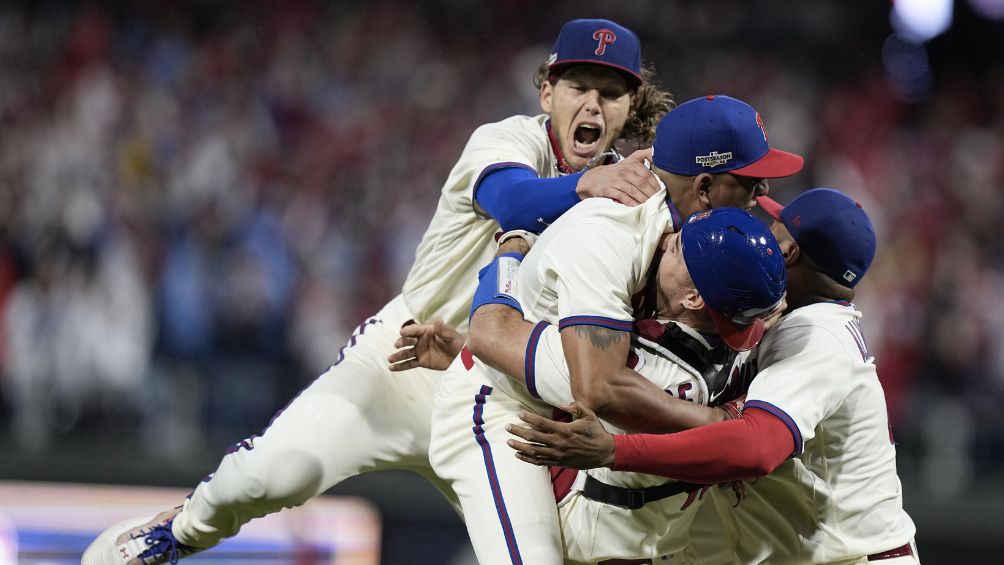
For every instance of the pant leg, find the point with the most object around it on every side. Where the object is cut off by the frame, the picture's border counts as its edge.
(709, 539)
(508, 505)
(356, 417)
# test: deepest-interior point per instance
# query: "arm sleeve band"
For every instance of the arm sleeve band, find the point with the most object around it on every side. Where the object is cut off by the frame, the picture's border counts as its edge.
(752, 446)
(490, 291)
(518, 199)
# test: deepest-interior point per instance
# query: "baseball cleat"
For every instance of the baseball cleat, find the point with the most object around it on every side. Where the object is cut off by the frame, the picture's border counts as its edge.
(138, 541)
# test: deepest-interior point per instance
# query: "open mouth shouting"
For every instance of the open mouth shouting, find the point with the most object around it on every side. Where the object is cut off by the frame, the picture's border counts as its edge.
(586, 140)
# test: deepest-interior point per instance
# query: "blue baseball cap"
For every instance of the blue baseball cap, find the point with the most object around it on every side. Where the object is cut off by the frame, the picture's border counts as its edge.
(831, 228)
(737, 267)
(598, 42)
(719, 134)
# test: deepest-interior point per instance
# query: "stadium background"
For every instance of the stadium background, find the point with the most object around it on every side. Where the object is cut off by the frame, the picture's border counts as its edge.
(199, 200)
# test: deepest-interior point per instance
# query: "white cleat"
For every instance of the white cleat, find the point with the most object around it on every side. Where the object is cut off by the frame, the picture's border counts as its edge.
(138, 541)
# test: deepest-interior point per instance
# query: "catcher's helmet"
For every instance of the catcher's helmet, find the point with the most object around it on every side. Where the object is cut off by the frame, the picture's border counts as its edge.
(737, 267)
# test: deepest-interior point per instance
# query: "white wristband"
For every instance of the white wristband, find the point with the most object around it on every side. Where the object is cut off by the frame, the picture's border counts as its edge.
(529, 237)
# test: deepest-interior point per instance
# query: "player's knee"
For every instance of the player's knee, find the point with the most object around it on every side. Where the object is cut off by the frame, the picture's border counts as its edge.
(291, 479)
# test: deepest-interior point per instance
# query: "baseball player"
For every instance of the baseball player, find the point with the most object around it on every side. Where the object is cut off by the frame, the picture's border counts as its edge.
(723, 265)
(814, 428)
(359, 416)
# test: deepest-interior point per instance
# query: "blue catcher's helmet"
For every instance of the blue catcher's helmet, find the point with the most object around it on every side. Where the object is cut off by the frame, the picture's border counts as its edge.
(737, 267)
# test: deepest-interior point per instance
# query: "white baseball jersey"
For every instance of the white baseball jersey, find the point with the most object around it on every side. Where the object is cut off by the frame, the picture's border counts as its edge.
(839, 498)
(458, 242)
(583, 270)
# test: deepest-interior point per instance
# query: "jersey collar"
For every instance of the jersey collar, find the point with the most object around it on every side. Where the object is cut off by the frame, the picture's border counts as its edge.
(674, 215)
(559, 157)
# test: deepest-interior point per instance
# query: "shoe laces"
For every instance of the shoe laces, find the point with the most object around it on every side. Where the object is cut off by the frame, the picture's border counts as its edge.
(161, 542)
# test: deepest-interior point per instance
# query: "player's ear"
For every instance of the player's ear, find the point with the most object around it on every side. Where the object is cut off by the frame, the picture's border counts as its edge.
(635, 101)
(701, 188)
(789, 250)
(692, 300)
(546, 95)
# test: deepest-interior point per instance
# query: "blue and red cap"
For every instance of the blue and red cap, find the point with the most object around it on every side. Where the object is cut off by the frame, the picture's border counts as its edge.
(738, 269)
(719, 134)
(598, 42)
(831, 228)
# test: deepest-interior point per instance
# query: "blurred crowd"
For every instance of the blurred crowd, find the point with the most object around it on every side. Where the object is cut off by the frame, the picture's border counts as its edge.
(199, 201)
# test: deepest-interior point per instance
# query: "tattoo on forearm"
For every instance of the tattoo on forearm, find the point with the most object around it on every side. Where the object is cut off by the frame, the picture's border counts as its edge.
(601, 338)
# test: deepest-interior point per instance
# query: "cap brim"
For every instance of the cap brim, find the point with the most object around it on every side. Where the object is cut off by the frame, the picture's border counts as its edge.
(633, 79)
(770, 206)
(740, 337)
(774, 165)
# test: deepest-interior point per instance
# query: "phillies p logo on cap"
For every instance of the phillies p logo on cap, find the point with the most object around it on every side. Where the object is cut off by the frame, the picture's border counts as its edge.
(605, 37)
(598, 42)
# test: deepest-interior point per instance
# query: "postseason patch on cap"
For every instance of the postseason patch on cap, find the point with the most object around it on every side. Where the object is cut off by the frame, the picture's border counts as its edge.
(713, 159)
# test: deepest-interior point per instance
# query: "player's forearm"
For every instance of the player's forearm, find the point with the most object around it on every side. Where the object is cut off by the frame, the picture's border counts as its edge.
(633, 403)
(498, 336)
(750, 447)
(617, 394)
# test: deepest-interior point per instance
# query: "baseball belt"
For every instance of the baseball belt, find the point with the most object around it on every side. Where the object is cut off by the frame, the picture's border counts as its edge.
(901, 551)
(633, 498)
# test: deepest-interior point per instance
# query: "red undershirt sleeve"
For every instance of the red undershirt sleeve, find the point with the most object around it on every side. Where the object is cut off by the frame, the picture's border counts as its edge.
(749, 447)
